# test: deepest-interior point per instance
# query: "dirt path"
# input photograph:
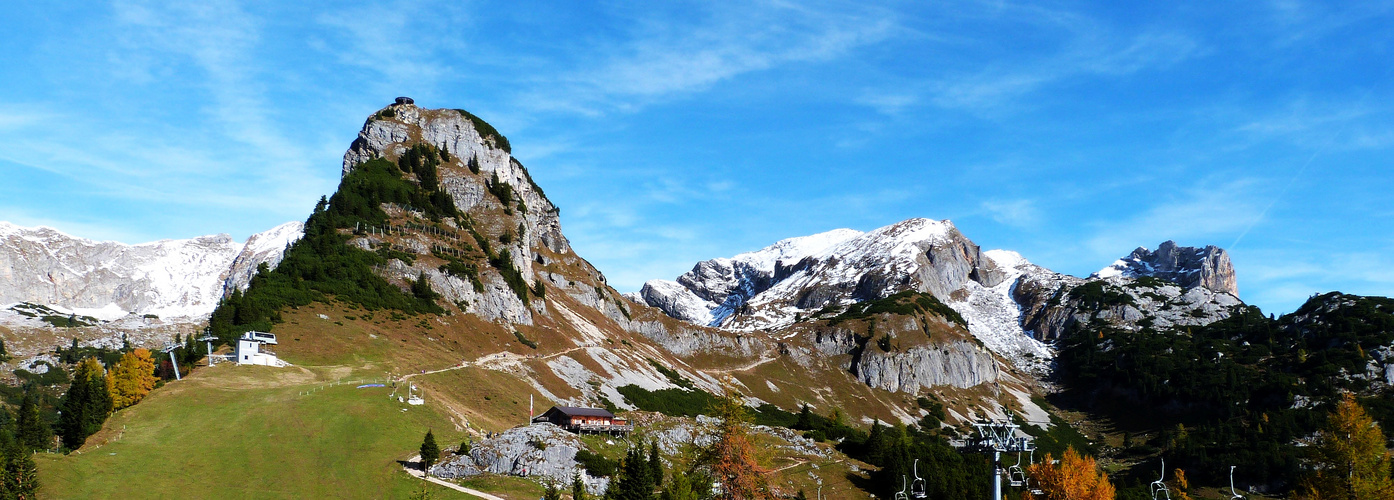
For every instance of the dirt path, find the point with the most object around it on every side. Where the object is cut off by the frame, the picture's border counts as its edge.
(495, 358)
(422, 475)
(740, 368)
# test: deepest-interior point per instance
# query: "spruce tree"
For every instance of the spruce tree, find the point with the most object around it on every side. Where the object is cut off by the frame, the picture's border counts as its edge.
(421, 288)
(680, 488)
(805, 422)
(655, 467)
(86, 404)
(429, 452)
(578, 488)
(31, 430)
(21, 475)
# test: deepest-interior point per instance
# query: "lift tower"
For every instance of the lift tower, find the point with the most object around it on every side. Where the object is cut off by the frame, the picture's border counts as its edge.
(996, 437)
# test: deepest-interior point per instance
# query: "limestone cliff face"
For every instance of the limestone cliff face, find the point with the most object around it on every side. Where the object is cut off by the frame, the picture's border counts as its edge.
(530, 220)
(1189, 267)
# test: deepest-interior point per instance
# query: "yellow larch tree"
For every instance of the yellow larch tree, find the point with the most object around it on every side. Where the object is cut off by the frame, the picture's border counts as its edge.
(1076, 477)
(132, 378)
(1350, 458)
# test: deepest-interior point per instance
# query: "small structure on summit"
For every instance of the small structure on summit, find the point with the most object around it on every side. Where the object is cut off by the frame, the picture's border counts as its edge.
(585, 420)
(250, 352)
(405, 100)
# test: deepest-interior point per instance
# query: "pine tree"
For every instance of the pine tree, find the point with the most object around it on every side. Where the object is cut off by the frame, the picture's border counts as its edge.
(551, 492)
(655, 467)
(805, 421)
(634, 482)
(421, 288)
(429, 452)
(578, 488)
(132, 378)
(474, 164)
(21, 474)
(1350, 459)
(86, 404)
(680, 488)
(32, 431)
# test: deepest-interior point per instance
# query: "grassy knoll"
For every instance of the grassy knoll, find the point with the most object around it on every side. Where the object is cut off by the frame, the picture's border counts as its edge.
(248, 432)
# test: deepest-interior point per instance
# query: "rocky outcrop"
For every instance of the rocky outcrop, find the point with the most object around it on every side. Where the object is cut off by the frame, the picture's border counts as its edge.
(540, 451)
(1052, 304)
(1189, 267)
(168, 278)
(959, 364)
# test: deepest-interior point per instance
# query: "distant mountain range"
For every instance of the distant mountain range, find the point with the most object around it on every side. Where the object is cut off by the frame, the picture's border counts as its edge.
(1010, 304)
(109, 280)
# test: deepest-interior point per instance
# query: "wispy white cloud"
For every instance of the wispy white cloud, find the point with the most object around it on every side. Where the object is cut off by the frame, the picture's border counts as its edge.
(1353, 123)
(1018, 213)
(666, 57)
(1211, 208)
(1089, 54)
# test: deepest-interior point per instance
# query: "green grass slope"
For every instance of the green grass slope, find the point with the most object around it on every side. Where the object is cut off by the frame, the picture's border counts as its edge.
(251, 432)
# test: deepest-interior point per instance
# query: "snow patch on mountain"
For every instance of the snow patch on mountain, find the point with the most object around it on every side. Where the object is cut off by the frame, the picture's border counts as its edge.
(995, 318)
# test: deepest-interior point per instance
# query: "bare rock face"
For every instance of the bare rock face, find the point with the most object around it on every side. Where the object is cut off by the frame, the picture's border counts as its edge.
(169, 278)
(537, 451)
(1189, 267)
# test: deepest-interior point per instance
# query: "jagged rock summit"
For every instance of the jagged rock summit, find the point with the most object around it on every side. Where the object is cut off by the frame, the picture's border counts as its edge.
(1189, 267)
(108, 280)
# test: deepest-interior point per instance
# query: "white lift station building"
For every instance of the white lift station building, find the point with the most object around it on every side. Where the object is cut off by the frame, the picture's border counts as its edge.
(250, 350)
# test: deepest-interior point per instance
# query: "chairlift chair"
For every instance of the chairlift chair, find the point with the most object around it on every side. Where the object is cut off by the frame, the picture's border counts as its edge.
(1016, 477)
(1160, 486)
(1233, 493)
(901, 495)
(917, 488)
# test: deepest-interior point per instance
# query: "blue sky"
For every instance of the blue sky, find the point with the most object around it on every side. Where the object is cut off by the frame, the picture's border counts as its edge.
(673, 132)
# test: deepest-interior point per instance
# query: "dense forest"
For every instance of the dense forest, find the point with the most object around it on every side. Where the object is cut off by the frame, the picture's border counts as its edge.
(1241, 391)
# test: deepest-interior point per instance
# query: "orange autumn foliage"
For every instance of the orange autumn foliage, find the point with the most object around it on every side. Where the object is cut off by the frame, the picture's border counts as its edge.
(1076, 477)
(132, 378)
(731, 458)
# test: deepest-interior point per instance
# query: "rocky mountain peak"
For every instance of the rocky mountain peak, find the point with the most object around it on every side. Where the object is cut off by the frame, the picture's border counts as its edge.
(1189, 267)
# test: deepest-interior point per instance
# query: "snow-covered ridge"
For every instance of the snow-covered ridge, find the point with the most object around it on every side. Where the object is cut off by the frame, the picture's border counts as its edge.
(846, 267)
(169, 278)
(713, 289)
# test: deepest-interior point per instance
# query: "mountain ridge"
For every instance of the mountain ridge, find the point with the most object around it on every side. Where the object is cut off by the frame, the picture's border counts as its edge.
(170, 278)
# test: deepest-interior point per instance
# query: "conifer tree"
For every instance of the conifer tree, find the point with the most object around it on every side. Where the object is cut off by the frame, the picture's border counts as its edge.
(805, 421)
(1076, 477)
(634, 481)
(132, 378)
(21, 475)
(421, 288)
(429, 452)
(31, 430)
(680, 487)
(578, 488)
(655, 466)
(551, 492)
(1350, 459)
(731, 457)
(86, 404)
